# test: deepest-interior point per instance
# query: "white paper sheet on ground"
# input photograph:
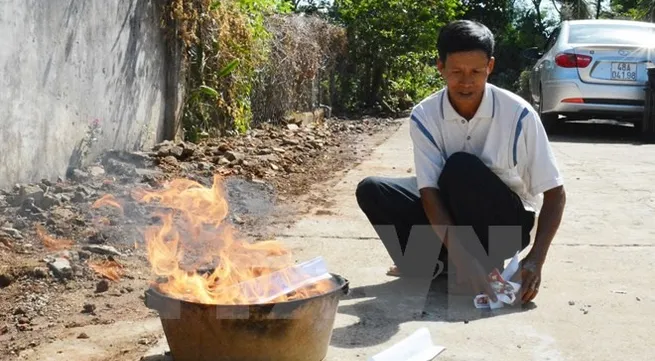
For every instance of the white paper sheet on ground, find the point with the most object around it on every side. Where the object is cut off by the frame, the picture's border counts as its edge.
(507, 274)
(416, 347)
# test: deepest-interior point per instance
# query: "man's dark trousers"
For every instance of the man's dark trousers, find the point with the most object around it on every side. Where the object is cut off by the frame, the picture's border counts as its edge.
(478, 201)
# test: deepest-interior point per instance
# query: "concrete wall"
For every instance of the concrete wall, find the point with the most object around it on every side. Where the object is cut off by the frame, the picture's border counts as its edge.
(69, 64)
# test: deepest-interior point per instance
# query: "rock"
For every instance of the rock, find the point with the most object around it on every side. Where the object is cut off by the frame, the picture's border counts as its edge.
(64, 198)
(79, 175)
(170, 150)
(102, 286)
(50, 200)
(88, 308)
(103, 249)
(223, 161)
(40, 272)
(271, 158)
(6, 279)
(82, 336)
(290, 142)
(14, 233)
(120, 168)
(234, 156)
(164, 150)
(188, 167)
(33, 192)
(84, 255)
(176, 151)
(188, 149)
(142, 172)
(170, 160)
(79, 197)
(69, 255)
(205, 166)
(97, 237)
(62, 214)
(224, 147)
(61, 268)
(29, 208)
(96, 171)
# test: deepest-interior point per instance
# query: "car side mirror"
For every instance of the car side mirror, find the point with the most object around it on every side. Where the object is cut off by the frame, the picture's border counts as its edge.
(532, 53)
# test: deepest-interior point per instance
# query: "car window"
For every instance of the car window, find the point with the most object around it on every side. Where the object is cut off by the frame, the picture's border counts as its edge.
(613, 34)
(551, 40)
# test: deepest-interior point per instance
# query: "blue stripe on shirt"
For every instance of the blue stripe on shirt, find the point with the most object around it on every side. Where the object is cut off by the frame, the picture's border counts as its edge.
(493, 106)
(519, 128)
(425, 131)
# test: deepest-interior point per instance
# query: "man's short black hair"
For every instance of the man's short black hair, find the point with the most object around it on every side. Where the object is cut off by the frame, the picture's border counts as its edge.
(465, 35)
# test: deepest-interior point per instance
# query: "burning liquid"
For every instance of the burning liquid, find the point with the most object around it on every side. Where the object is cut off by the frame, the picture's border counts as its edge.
(198, 258)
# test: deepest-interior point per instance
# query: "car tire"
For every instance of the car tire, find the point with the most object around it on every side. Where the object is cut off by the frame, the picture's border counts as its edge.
(550, 121)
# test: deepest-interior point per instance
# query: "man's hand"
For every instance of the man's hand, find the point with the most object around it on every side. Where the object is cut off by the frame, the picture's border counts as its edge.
(549, 221)
(529, 277)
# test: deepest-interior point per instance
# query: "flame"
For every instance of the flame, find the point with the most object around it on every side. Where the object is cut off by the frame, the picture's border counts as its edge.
(109, 269)
(108, 200)
(199, 258)
(52, 243)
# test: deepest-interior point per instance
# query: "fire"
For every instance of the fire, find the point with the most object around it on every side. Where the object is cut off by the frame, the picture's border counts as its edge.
(50, 242)
(107, 200)
(197, 257)
(109, 269)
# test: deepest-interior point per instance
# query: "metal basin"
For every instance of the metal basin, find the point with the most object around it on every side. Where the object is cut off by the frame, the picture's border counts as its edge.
(298, 330)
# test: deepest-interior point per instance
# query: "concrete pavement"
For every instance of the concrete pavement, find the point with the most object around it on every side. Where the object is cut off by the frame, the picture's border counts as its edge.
(596, 300)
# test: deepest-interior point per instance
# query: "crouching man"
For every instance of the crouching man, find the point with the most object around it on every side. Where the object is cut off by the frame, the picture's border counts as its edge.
(484, 171)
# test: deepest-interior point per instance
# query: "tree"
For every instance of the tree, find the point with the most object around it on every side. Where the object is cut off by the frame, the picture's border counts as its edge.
(387, 40)
(634, 9)
(573, 9)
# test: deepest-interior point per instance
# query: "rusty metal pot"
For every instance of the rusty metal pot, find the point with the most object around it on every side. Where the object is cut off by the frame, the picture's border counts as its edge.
(298, 330)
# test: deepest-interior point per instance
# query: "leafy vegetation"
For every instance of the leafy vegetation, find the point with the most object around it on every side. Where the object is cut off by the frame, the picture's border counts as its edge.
(224, 46)
(391, 46)
(258, 60)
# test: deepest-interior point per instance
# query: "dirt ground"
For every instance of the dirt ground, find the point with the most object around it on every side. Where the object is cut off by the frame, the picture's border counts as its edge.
(69, 265)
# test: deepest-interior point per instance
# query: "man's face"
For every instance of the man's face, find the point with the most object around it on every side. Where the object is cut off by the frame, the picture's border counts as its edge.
(466, 75)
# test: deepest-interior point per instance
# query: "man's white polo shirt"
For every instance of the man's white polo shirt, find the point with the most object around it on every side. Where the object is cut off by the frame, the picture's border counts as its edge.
(505, 133)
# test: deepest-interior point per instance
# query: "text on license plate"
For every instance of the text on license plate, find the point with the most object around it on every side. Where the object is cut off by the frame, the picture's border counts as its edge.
(624, 71)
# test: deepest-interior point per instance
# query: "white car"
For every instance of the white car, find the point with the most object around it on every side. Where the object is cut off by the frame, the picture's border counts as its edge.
(593, 69)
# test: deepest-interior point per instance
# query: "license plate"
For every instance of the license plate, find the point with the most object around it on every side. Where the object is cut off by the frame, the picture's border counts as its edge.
(624, 71)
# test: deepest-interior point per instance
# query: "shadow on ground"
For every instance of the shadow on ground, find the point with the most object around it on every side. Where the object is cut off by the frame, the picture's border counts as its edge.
(382, 308)
(596, 131)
